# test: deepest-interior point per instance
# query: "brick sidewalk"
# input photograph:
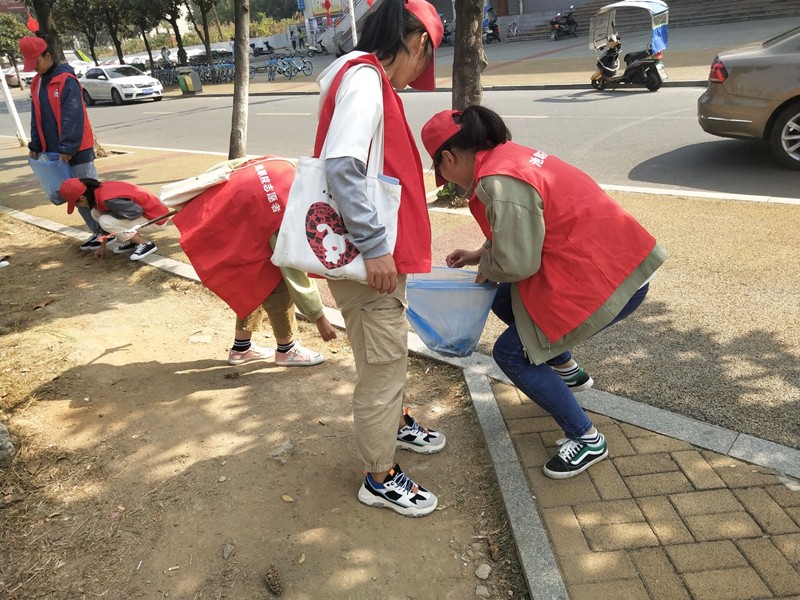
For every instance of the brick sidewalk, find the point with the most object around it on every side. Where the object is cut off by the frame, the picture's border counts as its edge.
(660, 519)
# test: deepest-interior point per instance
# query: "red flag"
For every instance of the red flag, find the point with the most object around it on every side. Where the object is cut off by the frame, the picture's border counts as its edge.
(225, 232)
(370, 2)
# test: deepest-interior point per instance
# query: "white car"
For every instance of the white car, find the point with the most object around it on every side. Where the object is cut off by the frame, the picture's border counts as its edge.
(120, 84)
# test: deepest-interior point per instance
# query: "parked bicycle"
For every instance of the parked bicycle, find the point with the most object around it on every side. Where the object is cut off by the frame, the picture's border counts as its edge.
(513, 30)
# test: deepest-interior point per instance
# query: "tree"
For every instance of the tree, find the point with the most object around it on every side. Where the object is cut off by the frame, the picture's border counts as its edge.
(78, 16)
(11, 30)
(470, 60)
(205, 7)
(147, 14)
(47, 27)
(241, 80)
(119, 19)
(172, 13)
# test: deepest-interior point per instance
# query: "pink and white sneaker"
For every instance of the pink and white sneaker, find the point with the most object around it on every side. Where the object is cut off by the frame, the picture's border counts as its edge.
(251, 354)
(298, 356)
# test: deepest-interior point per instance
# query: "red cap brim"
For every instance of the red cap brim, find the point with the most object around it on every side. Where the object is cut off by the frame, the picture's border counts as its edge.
(427, 80)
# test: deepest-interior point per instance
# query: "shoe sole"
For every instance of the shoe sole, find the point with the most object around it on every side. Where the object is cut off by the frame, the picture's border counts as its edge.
(569, 474)
(90, 248)
(420, 449)
(310, 363)
(141, 256)
(378, 502)
(583, 387)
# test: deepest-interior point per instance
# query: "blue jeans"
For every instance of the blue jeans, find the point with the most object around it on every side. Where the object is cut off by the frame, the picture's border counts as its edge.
(86, 170)
(539, 382)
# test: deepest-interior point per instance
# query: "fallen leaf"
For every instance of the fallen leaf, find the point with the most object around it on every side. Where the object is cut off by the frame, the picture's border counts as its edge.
(42, 304)
(227, 550)
(287, 498)
(222, 478)
(302, 559)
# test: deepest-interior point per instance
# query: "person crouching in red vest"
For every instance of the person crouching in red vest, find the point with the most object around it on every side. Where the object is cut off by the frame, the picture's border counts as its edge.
(570, 262)
(117, 206)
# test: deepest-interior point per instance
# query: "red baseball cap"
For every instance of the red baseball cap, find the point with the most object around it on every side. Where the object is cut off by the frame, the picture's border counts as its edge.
(429, 16)
(32, 48)
(71, 190)
(440, 128)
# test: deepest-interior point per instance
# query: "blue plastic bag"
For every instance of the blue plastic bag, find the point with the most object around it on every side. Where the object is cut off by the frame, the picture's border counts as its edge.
(448, 310)
(51, 172)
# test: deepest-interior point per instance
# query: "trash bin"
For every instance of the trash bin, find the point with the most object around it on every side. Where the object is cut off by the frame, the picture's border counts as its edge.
(189, 80)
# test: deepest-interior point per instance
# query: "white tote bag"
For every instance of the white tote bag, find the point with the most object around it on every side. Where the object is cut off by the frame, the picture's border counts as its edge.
(313, 238)
(180, 192)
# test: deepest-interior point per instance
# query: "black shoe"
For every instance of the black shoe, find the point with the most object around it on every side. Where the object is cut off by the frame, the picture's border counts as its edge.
(123, 248)
(93, 243)
(574, 457)
(143, 250)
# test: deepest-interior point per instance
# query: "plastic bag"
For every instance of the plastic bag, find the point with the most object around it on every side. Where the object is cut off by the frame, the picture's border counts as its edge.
(448, 310)
(51, 172)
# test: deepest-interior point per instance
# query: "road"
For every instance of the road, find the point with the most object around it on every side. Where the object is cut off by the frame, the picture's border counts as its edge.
(623, 138)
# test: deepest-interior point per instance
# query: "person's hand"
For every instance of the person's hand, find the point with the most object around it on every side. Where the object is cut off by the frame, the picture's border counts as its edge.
(100, 253)
(33, 155)
(381, 273)
(65, 157)
(326, 330)
(480, 278)
(461, 258)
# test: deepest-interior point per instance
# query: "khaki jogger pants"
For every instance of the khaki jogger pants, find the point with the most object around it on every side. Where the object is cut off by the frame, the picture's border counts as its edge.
(280, 310)
(377, 330)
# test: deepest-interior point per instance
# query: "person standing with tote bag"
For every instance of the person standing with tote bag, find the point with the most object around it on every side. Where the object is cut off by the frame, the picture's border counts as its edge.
(395, 50)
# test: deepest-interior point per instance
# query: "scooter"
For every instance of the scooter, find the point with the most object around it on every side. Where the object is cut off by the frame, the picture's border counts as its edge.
(448, 37)
(265, 51)
(491, 30)
(563, 25)
(641, 68)
(317, 47)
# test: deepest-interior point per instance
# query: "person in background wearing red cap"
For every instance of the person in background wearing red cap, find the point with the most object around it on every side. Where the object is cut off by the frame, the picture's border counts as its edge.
(570, 259)
(395, 49)
(117, 206)
(59, 122)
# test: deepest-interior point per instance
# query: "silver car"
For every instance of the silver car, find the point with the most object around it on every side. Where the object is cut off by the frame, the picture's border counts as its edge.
(754, 93)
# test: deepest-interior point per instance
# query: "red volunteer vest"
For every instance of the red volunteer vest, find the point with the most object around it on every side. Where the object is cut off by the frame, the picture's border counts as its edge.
(225, 232)
(412, 253)
(121, 189)
(55, 88)
(590, 246)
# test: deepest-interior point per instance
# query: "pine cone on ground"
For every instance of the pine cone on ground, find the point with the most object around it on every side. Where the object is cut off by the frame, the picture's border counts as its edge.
(274, 584)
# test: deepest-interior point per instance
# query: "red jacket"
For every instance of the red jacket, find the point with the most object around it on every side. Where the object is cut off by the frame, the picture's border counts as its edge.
(55, 89)
(591, 243)
(412, 252)
(150, 203)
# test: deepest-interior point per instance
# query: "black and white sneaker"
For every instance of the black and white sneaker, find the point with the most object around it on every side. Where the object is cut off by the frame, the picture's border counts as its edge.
(123, 248)
(93, 243)
(575, 456)
(143, 250)
(577, 379)
(399, 493)
(412, 436)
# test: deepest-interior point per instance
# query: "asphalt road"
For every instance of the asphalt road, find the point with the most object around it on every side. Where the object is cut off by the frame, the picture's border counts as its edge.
(623, 138)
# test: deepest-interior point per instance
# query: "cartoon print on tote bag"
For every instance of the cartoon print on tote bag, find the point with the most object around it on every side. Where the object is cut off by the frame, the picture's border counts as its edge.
(327, 236)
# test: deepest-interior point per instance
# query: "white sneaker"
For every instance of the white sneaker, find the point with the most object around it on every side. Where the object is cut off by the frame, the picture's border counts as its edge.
(252, 353)
(399, 493)
(298, 356)
(413, 436)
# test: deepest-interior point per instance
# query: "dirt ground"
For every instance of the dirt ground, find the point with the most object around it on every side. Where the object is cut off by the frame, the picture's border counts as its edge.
(149, 468)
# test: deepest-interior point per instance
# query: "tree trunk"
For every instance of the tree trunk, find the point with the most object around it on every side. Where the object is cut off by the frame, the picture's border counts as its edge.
(13, 62)
(143, 29)
(241, 81)
(207, 37)
(114, 33)
(47, 28)
(178, 40)
(216, 20)
(470, 60)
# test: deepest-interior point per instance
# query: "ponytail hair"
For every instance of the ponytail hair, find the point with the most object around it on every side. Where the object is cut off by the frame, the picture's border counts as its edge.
(480, 129)
(386, 30)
